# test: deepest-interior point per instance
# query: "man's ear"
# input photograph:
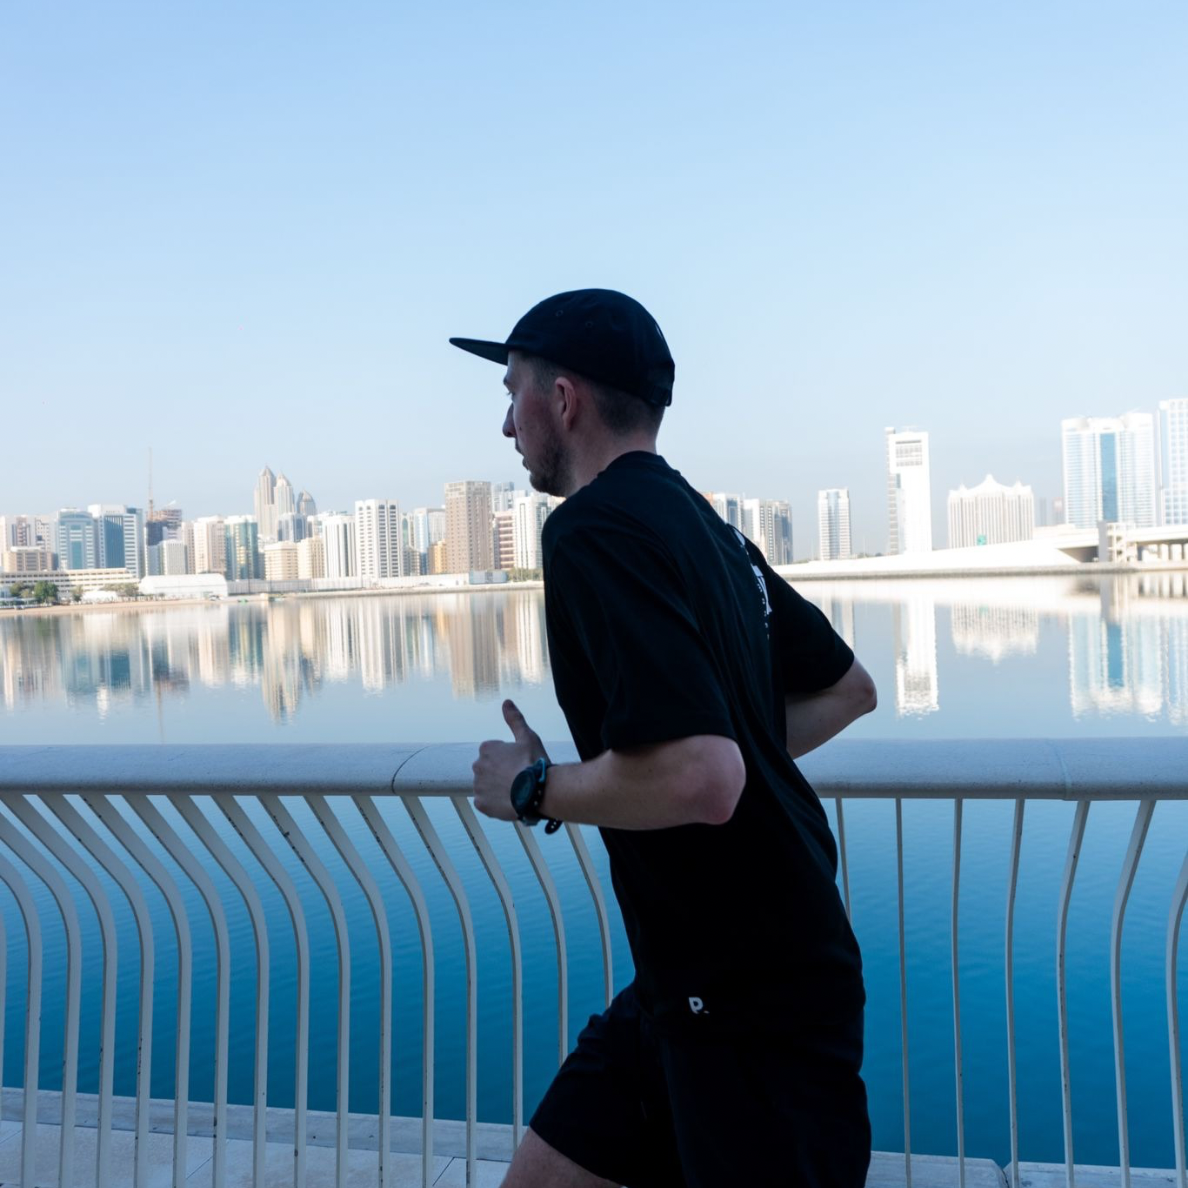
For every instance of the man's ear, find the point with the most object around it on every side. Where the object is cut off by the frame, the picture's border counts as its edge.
(568, 401)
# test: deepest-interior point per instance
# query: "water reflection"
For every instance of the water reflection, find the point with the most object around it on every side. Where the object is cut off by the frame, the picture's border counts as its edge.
(1123, 642)
(480, 642)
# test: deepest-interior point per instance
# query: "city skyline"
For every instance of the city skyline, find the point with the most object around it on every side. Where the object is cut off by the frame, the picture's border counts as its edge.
(1133, 467)
(969, 220)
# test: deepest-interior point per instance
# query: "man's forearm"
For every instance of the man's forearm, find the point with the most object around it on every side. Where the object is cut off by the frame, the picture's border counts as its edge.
(688, 781)
(815, 718)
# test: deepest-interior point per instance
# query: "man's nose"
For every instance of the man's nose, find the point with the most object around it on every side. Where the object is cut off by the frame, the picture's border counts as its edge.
(509, 428)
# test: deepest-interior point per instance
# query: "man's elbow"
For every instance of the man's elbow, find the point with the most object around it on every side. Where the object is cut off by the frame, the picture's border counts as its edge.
(722, 774)
(867, 695)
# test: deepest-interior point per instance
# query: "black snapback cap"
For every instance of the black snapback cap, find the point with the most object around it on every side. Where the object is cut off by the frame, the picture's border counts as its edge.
(604, 335)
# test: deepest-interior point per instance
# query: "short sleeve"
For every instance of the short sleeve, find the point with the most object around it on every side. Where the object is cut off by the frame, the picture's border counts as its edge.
(810, 654)
(625, 606)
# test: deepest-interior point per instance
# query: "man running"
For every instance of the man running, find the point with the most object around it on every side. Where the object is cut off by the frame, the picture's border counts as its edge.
(691, 677)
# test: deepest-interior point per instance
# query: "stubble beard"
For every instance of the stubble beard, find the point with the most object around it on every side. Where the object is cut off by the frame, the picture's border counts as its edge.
(551, 473)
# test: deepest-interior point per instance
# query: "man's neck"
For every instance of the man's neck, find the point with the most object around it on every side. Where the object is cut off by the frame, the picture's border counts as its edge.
(587, 468)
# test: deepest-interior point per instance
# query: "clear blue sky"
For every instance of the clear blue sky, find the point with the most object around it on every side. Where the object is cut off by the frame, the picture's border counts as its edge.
(242, 234)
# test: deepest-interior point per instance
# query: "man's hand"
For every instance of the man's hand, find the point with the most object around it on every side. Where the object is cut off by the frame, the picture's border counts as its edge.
(499, 763)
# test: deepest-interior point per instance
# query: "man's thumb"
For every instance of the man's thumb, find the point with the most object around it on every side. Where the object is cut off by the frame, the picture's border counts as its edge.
(515, 720)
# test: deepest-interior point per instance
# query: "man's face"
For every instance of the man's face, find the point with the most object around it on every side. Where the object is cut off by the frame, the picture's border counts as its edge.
(531, 424)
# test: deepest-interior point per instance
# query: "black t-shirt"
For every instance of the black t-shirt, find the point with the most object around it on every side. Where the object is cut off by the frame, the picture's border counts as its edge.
(664, 622)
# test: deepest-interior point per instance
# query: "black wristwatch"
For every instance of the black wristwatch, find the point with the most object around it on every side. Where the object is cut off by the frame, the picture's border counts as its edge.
(527, 791)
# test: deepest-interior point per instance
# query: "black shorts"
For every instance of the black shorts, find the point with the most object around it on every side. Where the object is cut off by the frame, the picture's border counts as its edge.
(656, 1111)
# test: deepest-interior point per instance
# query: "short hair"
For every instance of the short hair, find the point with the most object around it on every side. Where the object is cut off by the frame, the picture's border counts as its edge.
(621, 412)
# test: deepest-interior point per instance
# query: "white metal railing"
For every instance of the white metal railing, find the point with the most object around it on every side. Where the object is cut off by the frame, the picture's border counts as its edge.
(44, 829)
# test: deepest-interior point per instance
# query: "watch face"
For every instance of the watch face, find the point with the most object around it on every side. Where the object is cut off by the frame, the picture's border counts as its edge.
(522, 791)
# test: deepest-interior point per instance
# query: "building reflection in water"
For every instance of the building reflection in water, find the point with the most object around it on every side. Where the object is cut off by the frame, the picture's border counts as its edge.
(914, 623)
(1126, 636)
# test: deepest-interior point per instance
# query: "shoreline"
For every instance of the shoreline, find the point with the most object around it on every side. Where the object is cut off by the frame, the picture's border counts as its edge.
(793, 573)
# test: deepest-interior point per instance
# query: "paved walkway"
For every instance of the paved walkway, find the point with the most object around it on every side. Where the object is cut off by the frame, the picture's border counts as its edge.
(493, 1146)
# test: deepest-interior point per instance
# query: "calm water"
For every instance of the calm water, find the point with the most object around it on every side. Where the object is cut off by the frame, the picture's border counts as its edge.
(993, 658)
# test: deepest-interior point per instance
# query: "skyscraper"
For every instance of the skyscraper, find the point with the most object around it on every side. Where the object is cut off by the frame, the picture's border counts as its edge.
(429, 526)
(768, 524)
(833, 523)
(729, 507)
(265, 503)
(119, 537)
(529, 513)
(468, 526)
(283, 498)
(1109, 470)
(76, 544)
(305, 504)
(210, 545)
(243, 548)
(1173, 461)
(338, 536)
(990, 514)
(503, 539)
(378, 552)
(909, 492)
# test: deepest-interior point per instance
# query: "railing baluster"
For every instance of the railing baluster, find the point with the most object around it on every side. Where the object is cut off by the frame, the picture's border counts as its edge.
(1070, 871)
(1133, 852)
(420, 819)
(903, 1000)
(53, 841)
(841, 851)
(119, 828)
(545, 878)
(205, 832)
(371, 892)
(264, 854)
(10, 876)
(321, 876)
(33, 859)
(105, 856)
(1012, 1068)
(587, 864)
(399, 864)
(1174, 917)
(957, 817)
(499, 881)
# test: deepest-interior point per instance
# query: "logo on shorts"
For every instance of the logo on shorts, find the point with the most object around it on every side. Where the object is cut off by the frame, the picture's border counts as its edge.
(698, 1007)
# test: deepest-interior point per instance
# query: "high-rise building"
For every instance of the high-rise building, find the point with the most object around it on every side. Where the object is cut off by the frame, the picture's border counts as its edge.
(833, 523)
(283, 497)
(729, 507)
(168, 558)
(163, 523)
(768, 523)
(1173, 461)
(429, 526)
(503, 539)
(378, 548)
(468, 526)
(305, 504)
(210, 545)
(290, 526)
(76, 544)
(280, 561)
(529, 513)
(338, 539)
(243, 548)
(265, 504)
(909, 492)
(502, 496)
(26, 559)
(990, 513)
(438, 562)
(119, 531)
(311, 558)
(1109, 470)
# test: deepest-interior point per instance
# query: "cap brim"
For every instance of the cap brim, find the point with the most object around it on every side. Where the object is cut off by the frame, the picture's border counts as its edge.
(495, 351)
